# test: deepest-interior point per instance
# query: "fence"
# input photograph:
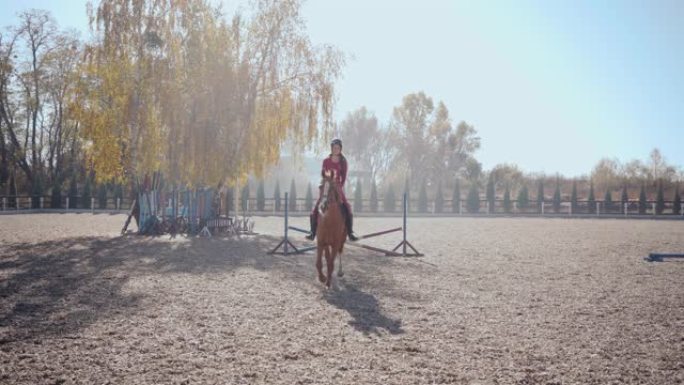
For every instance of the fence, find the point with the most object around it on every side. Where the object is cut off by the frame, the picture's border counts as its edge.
(28, 203)
(449, 207)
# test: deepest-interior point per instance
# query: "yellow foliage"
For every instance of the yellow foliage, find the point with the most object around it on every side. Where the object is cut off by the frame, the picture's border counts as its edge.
(171, 86)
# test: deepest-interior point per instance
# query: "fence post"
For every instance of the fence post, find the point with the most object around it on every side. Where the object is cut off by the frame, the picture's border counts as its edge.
(625, 209)
(42, 203)
(118, 203)
(460, 207)
(4, 203)
(487, 207)
(598, 208)
(92, 205)
(542, 208)
(67, 203)
(654, 208)
(570, 209)
(515, 207)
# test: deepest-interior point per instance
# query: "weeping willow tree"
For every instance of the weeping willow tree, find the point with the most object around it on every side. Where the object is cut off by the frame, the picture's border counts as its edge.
(178, 87)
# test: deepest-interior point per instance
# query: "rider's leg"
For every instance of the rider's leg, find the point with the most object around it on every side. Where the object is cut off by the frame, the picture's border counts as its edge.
(313, 218)
(349, 221)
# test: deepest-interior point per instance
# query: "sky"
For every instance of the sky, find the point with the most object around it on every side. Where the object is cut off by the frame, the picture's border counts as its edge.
(552, 86)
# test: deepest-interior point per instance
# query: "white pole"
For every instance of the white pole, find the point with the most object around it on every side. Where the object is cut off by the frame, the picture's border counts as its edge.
(42, 202)
(92, 205)
(515, 207)
(487, 207)
(30, 203)
(542, 208)
(118, 203)
(4, 203)
(460, 207)
(570, 209)
(654, 209)
(681, 208)
(626, 205)
(67, 204)
(598, 208)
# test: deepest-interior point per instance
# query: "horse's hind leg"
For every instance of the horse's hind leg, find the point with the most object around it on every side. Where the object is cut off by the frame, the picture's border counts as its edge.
(319, 264)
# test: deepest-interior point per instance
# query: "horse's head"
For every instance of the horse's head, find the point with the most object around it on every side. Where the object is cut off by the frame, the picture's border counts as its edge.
(331, 190)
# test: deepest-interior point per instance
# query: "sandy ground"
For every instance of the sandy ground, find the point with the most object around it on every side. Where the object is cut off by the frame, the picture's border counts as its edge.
(494, 301)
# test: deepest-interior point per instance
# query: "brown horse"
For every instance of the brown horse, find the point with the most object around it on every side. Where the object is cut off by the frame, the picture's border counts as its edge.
(331, 231)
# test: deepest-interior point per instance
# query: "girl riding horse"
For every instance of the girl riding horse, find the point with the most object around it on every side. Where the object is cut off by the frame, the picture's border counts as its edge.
(336, 164)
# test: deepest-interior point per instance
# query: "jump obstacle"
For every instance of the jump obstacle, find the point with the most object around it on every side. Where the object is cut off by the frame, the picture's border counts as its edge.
(287, 248)
(658, 257)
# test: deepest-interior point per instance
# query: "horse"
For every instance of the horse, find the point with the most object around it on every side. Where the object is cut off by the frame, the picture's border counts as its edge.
(331, 231)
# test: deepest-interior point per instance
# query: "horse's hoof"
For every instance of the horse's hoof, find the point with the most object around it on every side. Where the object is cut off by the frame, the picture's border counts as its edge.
(340, 274)
(321, 278)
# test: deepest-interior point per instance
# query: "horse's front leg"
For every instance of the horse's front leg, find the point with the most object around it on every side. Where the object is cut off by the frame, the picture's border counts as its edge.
(319, 264)
(340, 273)
(330, 261)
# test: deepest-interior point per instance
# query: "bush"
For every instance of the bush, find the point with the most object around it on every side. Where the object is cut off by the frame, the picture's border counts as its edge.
(56, 196)
(573, 198)
(439, 198)
(12, 201)
(37, 192)
(642, 200)
(660, 199)
(507, 200)
(390, 199)
(73, 193)
(473, 200)
(374, 197)
(86, 199)
(261, 197)
(624, 199)
(118, 194)
(293, 196)
(557, 198)
(230, 199)
(422, 198)
(523, 198)
(244, 197)
(308, 201)
(491, 195)
(540, 195)
(608, 201)
(456, 198)
(591, 201)
(358, 196)
(276, 196)
(102, 196)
